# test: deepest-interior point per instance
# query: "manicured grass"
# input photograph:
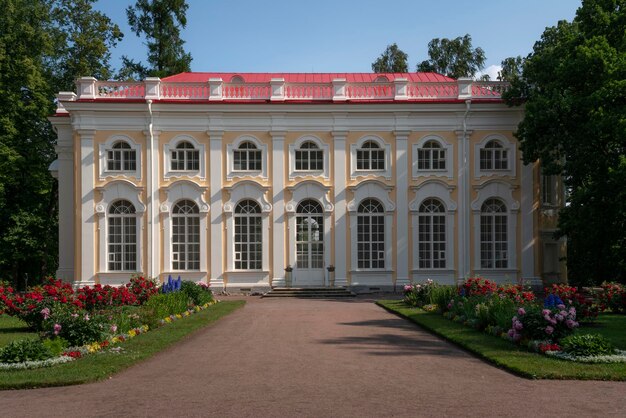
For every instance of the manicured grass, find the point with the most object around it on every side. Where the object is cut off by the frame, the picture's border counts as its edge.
(100, 366)
(612, 326)
(504, 354)
(13, 329)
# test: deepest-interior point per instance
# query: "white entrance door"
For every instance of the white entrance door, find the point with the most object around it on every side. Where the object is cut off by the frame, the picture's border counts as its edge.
(309, 269)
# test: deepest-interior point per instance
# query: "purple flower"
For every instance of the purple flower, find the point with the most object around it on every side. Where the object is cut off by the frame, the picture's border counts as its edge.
(549, 330)
(561, 306)
(546, 312)
(57, 329)
(521, 312)
(563, 313)
(559, 317)
(518, 326)
(46, 313)
(511, 333)
(570, 323)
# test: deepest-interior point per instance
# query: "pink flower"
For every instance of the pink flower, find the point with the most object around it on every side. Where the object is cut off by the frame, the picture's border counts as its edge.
(521, 311)
(570, 323)
(46, 313)
(57, 329)
(113, 328)
(559, 317)
(518, 326)
(549, 330)
(561, 306)
(86, 317)
(546, 312)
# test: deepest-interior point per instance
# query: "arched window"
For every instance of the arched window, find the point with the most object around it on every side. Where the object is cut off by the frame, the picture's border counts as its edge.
(370, 157)
(248, 236)
(432, 235)
(432, 156)
(185, 236)
(121, 157)
(309, 235)
(185, 157)
(122, 237)
(247, 157)
(309, 157)
(493, 156)
(371, 235)
(493, 235)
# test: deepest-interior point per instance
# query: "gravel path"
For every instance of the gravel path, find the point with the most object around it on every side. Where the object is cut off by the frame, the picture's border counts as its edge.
(317, 358)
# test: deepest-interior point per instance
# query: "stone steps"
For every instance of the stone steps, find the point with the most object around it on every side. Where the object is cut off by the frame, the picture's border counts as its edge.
(309, 292)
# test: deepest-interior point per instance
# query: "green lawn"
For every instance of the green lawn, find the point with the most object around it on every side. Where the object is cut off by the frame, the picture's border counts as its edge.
(100, 366)
(13, 329)
(521, 362)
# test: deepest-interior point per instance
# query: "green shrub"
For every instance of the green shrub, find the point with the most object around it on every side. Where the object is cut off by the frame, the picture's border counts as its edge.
(56, 345)
(587, 345)
(501, 310)
(25, 350)
(441, 296)
(198, 293)
(78, 327)
(168, 304)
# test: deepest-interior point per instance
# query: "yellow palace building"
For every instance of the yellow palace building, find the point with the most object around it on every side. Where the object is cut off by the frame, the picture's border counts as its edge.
(255, 180)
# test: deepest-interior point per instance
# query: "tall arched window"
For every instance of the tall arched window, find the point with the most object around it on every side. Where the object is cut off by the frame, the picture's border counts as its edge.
(371, 235)
(309, 235)
(432, 235)
(309, 157)
(248, 236)
(185, 157)
(122, 237)
(370, 157)
(247, 157)
(185, 236)
(493, 156)
(432, 156)
(121, 157)
(493, 235)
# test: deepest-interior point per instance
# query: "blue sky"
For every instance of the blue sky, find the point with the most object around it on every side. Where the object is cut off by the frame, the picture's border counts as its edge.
(344, 36)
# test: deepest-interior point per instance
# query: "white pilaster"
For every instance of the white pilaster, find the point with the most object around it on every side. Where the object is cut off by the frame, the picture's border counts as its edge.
(341, 214)
(217, 246)
(402, 204)
(88, 219)
(463, 173)
(278, 203)
(65, 152)
(154, 252)
(528, 236)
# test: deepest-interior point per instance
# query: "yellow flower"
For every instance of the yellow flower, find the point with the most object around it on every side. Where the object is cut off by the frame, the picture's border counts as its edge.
(115, 340)
(186, 313)
(179, 316)
(145, 328)
(197, 309)
(132, 333)
(168, 320)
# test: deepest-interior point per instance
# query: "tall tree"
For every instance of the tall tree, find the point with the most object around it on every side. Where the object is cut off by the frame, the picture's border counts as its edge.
(453, 57)
(160, 21)
(392, 60)
(511, 68)
(574, 86)
(44, 46)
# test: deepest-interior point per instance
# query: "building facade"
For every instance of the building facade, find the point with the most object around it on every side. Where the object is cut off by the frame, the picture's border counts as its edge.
(364, 180)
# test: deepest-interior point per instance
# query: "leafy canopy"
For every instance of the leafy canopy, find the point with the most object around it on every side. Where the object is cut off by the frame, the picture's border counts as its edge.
(574, 86)
(392, 60)
(453, 57)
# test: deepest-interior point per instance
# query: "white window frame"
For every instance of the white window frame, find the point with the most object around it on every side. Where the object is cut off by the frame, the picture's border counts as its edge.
(549, 188)
(373, 256)
(502, 190)
(186, 244)
(123, 217)
(112, 192)
(247, 244)
(494, 218)
(385, 147)
(230, 158)
(507, 146)
(170, 146)
(445, 146)
(175, 192)
(293, 173)
(107, 146)
(442, 191)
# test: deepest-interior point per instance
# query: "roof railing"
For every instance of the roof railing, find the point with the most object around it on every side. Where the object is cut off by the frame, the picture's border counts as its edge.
(278, 90)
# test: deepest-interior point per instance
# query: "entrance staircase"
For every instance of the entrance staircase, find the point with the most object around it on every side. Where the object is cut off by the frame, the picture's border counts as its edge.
(309, 292)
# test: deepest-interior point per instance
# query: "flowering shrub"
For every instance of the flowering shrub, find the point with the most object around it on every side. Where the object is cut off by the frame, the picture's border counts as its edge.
(585, 306)
(142, 288)
(613, 297)
(477, 286)
(534, 323)
(77, 327)
(98, 296)
(418, 294)
(516, 293)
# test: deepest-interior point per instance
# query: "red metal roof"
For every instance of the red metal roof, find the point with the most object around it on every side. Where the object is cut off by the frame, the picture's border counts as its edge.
(307, 77)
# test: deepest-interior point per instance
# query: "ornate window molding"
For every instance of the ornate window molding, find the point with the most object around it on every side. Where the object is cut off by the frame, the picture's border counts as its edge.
(370, 189)
(170, 147)
(176, 192)
(507, 152)
(107, 146)
(446, 148)
(244, 190)
(441, 191)
(497, 189)
(359, 146)
(295, 147)
(231, 172)
(115, 191)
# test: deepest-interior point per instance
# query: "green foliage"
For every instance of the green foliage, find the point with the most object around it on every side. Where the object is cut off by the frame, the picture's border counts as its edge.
(25, 350)
(163, 305)
(160, 22)
(511, 68)
(392, 60)
(56, 345)
(76, 326)
(199, 294)
(587, 345)
(441, 296)
(453, 57)
(573, 85)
